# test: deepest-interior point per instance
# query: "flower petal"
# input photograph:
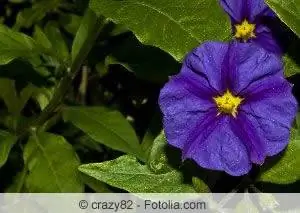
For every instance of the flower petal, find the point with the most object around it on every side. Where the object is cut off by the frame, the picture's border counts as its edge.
(235, 9)
(274, 135)
(270, 105)
(265, 39)
(218, 147)
(206, 61)
(240, 10)
(183, 104)
(257, 9)
(247, 133)
(246, 63)
(271, 98)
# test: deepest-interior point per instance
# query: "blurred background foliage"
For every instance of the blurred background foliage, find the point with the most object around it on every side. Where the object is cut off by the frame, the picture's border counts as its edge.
(118, 74)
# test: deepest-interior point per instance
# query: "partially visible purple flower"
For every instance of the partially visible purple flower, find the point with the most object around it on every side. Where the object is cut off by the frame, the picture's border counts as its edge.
(229, 107)
(248, 18)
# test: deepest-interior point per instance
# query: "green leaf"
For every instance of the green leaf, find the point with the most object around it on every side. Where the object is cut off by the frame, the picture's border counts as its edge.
(43, 96)
(27, 72)
(94, 184)
(15, 45)
(176, 26)
(86, 143)
(15, 102)
(127, 173)
(290, 66)
(118, 30)
(291, 58)
(18, 183)
(288, 12)
(153, 131)
(13, 122)
(70, 22)
(52, 164)
(39, 10)
(6, 143)
(28, 83)
(88, 30)
(286, 170)
(51, 42)
(200, 186)
(158, 161)
(57, 40)
(298, 122)
(105, 126)
(41, 38)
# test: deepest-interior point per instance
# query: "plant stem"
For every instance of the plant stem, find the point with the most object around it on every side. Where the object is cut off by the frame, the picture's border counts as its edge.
(83, 85)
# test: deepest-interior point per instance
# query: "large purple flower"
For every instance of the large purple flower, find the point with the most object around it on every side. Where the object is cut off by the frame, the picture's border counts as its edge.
(248, 19)
(229, 107)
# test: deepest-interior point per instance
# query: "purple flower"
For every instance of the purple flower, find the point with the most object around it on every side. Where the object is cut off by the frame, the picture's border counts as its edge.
(229, 107)
(248, 19)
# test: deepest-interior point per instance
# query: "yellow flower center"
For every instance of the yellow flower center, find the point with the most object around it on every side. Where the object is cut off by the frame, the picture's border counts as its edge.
(245, 31)
(228, 103)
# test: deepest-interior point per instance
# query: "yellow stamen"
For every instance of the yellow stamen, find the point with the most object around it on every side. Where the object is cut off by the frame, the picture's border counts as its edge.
(228, 103)
(245, 31)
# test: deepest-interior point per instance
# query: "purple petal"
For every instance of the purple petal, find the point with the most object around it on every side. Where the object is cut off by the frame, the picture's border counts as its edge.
(218, 147)
(229, 66)
(265, 39)
(270, 105)
(247, 133)
(235, 9)
(247, 63)
(206, 61)
(267, 88)
(257, 9)
(240, 10)
(183, 104)
(275, 136)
